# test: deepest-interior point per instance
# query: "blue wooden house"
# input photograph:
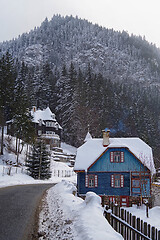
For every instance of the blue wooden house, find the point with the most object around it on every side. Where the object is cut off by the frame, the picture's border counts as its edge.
(119, 169)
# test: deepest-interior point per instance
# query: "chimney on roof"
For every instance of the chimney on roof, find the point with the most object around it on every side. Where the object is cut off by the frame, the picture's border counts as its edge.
(106, 137)
(34, 109)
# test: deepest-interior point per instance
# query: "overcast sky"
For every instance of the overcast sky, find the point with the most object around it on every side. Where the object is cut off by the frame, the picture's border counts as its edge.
(140, 17)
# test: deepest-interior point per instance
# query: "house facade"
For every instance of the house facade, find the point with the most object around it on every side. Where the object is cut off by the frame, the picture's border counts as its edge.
(119, 169)
(46, 126)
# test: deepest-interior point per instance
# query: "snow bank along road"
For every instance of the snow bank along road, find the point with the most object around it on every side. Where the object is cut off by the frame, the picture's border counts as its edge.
(18, 209)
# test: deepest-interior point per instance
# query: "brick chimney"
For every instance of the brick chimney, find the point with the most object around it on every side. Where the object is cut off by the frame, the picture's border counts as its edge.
(106, 137)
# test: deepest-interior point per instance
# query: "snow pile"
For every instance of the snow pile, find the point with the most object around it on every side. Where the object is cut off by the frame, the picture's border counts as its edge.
(66, 216)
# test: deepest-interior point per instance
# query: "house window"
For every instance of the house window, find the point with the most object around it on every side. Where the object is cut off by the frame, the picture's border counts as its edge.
(91, 181)
(40, 123)
(136, 183)
(39, 132)
(117, 181)
(117, 157)
(48, 124)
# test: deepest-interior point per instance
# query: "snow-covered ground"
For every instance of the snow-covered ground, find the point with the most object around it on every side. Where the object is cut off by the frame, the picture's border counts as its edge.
(66, 216)
(19, 175)
(154, 214)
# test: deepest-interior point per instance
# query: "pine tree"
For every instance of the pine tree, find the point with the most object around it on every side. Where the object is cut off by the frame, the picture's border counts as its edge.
(22, 120)
(38, 163)
(7, 78)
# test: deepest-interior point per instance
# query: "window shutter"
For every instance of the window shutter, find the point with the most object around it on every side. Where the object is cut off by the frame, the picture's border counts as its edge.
(86, 181)
(112, 180)
(96, 180)
(111, 156)
(122, 156)
(122, 181)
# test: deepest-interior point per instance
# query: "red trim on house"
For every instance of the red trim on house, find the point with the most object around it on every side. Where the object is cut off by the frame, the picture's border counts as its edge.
(137, 159)
(121, 181)
(95, 181)
(119, 148)
(112, 156)
(97, 159)
(79, 171)
(127, 201)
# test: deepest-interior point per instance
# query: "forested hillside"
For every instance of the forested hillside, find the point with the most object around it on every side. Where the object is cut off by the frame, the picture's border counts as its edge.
(93, 76)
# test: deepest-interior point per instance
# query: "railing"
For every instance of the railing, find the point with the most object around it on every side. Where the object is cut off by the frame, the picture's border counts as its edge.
(10, 170)
(63, 173)
(129, 226)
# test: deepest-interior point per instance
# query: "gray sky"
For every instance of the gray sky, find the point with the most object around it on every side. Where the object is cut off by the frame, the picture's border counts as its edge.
(140, 17)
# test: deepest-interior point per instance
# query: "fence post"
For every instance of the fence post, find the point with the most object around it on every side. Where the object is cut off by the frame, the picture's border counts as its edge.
(149, 230)
(153, 233)
(138, 228)
(133, 225)
(116, 213)
(156, 234)
(122, 217)
(109, 215)
(128, 230)
(142, 227)
(145, 228)
(102, 201)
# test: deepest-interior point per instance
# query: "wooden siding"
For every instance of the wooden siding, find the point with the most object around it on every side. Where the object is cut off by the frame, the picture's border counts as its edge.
(131, 163)
(104, 184)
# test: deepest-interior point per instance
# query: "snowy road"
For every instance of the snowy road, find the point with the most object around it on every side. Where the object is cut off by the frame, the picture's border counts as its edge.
(18, 208)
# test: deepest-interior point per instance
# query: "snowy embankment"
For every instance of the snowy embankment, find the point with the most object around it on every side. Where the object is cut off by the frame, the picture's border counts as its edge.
(66, 216)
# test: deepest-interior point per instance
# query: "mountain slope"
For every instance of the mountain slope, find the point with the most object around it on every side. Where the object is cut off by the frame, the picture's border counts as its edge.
(92, 75)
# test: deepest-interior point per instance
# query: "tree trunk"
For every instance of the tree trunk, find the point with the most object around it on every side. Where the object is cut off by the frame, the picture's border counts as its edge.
(2, 139)
(18, 150)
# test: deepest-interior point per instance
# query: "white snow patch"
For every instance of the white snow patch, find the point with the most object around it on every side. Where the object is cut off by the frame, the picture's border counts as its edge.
(19, 175)
(154, 214)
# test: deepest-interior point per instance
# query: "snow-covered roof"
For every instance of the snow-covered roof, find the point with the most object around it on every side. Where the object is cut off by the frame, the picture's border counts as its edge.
(44, 115)
(88, 136)
(93, 148)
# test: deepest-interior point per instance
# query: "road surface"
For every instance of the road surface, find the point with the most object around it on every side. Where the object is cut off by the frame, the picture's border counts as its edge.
(18, 210)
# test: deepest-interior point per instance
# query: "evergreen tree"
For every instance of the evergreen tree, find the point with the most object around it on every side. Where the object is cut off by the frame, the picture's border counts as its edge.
(38, 163)
(22, 120)
(7, 78)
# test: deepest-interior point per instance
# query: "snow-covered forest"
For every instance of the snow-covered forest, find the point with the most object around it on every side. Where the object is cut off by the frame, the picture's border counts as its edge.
(90, 76)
